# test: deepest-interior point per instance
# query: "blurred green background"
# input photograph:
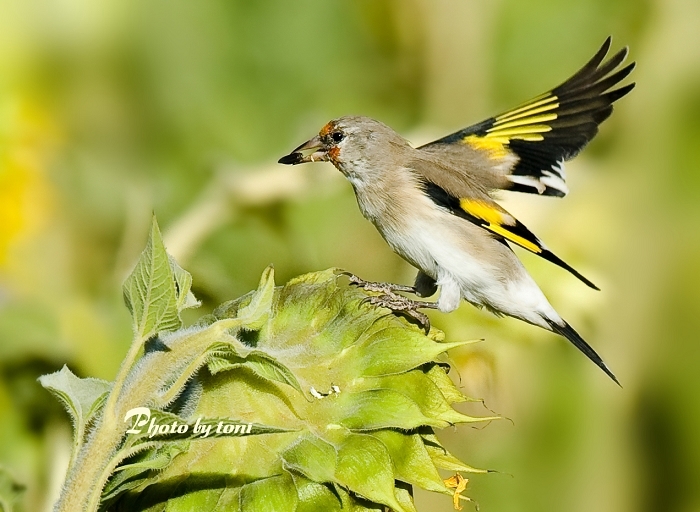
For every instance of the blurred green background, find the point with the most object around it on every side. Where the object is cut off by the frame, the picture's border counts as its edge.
(113, 109)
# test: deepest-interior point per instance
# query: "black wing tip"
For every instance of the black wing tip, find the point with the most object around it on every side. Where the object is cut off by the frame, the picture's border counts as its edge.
(620, 57)
(621, 54)
(596, 69)
(616, 94)
(593, 72)
(620, 75)
(602, 51)
(605, 47)
(568, 332)
(625, 50)
(585, 102)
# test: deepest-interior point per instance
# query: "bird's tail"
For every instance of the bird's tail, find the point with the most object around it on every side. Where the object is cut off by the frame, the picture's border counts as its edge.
(564, 329)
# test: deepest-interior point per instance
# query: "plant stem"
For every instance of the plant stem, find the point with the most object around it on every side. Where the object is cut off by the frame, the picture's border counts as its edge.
(86, 471)
(98, 457)
(124, 369)
(94, 502)
(83, 483)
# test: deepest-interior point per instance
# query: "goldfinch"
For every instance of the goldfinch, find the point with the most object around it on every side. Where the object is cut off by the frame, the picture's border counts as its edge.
(434, 207)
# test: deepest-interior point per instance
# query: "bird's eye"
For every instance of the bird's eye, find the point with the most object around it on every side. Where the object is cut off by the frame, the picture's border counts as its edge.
(337, 136)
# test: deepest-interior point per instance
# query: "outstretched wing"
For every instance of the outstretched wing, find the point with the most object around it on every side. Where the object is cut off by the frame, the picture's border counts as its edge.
(492, 217)
(536, 138)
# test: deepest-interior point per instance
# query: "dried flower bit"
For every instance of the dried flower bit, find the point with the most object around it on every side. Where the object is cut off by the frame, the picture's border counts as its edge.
(320, 394)
(459, 484)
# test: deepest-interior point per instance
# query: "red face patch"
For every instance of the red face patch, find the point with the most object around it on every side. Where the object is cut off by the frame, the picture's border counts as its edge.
(333, 153)
(327, 129)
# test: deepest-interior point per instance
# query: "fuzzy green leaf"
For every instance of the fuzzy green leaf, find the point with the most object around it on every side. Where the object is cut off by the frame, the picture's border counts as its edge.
(444, 459)
(383, 408)
(314, 497)
(257, 311)
(183, 286)
(421, 389)
(448, 389)
(264, 365)
(405, 497)
(149, 292)
(312, 457)
(396, 350)
(157, 460)
(129, 476)
(82, 398)
(276, 493)
(411, 460)
(364, 466)
(197, 492)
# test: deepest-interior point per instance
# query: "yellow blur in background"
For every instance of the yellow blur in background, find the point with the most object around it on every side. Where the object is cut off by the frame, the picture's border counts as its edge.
(113, 109)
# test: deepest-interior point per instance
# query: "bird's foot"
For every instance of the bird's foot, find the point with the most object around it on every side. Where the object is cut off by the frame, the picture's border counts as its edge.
(404, 305)
(370, 286)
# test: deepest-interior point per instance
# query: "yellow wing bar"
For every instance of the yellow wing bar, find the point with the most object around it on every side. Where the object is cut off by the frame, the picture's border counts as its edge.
(527, 122)
(543, 103)
(502, 223)
(495, 219)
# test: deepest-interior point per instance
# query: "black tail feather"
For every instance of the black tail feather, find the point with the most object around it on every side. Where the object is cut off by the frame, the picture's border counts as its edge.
(570, 334)
(550, 256)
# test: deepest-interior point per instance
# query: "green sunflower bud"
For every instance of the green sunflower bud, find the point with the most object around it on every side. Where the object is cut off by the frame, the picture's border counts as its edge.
(298, 398)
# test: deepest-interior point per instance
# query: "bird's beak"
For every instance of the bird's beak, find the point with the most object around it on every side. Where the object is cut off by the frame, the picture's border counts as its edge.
(317, 153)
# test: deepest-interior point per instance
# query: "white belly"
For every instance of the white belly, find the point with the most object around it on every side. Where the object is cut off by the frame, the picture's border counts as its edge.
(467, 263)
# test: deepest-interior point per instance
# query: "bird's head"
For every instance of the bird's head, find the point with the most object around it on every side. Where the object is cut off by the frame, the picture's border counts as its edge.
(357, 146)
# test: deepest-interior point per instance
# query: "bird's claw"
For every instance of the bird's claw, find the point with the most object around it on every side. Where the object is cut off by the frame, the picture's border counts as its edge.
(400, 304)
(389, 299)
(371, 286)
